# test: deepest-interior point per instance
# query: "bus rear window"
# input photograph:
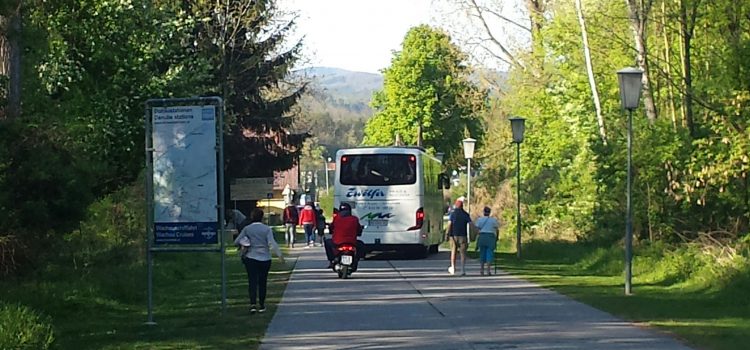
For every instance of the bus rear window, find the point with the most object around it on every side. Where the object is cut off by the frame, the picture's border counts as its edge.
(378, 169)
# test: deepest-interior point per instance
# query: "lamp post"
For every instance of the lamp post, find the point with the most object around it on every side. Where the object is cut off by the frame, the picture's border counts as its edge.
(630, 95)
(327, 163)
(468, 154)
(325, 168)
(518, 126)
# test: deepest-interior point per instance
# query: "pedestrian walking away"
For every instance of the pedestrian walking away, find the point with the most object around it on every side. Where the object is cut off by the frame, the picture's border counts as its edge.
(290, 217)
(256, 242)
(487, 241)
(458, 224)
(235, 221)
(321, 225)
(308, 220)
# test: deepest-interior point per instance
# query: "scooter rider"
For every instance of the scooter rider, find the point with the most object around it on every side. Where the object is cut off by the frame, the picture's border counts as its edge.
(344, 228)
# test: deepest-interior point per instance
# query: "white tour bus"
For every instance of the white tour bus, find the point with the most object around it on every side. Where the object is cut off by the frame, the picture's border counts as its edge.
(397, 193)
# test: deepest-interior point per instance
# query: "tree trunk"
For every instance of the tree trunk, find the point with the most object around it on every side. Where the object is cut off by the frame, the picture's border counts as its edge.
(11, 60)
(668, 65)
(4, 46)
(687, 25)
(638, 11)
(590, 72)
(536, 15)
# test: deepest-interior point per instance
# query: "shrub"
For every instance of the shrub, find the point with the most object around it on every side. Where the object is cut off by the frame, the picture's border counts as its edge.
(113, 231)
(43, 192)
(23, 328)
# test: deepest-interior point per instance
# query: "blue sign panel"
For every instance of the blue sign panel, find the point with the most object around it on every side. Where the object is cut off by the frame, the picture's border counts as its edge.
(186, 233)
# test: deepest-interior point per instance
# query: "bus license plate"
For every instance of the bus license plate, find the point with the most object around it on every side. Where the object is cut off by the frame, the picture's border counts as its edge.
(346, 259)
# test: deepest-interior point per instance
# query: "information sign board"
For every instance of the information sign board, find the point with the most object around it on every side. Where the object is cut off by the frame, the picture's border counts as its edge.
(250, 188)
(185, 174)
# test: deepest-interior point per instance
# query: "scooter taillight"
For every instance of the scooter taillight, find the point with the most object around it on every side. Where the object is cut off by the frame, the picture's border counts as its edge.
(346, 248)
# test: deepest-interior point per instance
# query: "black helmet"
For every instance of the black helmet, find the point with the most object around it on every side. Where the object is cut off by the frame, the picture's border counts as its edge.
(345, 207)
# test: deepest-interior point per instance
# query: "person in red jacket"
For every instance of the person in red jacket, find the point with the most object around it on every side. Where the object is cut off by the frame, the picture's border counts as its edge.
(308, 220)
(344, 228)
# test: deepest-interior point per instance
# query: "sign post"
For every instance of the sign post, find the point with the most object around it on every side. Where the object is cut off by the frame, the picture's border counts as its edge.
(269, 195)
(184, 181)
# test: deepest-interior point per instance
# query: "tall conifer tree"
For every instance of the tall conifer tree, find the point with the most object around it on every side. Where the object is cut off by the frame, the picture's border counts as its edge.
(244, 42)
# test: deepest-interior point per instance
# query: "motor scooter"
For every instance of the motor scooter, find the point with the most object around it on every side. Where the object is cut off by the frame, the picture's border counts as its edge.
(345, 260)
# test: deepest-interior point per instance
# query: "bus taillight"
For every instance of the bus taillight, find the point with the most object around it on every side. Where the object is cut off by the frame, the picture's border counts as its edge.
(420, 220)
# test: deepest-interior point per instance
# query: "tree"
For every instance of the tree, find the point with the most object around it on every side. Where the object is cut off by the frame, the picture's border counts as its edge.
(688, 16)
(638, 14)
(90, 66)
(590, 71)
(10, 55)
(244, 41)
(427, 97)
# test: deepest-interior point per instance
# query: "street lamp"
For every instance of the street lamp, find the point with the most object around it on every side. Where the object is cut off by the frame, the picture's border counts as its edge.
(630, 95)
(328, 163)
(468, 154)
(325, 168)
(518, 126)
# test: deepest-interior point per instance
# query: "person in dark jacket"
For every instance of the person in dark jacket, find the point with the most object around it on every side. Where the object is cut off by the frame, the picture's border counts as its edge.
(457, 233)
(321, 221)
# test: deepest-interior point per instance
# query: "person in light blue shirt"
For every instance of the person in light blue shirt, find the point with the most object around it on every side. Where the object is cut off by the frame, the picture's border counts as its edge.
(487, 241)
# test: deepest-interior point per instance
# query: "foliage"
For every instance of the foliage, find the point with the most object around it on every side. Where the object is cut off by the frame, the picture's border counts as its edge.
(686, 179)
(24, 328)
(333, 126)
(244, 43)
(43, 190)
(427, 85)
(112, 232)
(91, 66)
(326, 203)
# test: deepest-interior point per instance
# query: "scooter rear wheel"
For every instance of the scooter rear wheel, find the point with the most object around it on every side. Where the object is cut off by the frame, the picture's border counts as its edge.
(344, 273)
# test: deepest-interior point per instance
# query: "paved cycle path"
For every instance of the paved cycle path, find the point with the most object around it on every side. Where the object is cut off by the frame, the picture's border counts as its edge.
(393, 303)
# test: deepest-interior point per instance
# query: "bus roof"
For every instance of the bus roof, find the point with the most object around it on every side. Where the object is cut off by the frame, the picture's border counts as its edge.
(385, 149)
(390, 149)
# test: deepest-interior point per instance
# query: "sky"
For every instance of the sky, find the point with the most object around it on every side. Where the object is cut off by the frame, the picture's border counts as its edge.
(357, 35)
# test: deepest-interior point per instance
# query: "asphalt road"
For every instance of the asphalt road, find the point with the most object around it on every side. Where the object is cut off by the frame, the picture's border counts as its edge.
(395, 303)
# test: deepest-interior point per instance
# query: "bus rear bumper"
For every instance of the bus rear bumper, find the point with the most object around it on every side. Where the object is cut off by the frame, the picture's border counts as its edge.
(378, 247)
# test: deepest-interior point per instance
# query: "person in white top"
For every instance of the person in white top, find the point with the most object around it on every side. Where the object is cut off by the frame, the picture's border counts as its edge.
(487, 241)
(234, 218)
(257, 241)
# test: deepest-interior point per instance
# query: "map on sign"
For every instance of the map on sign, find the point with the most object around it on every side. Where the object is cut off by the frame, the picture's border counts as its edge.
(185, 174)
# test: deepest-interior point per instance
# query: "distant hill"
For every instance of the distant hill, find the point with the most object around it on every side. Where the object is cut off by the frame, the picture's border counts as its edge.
(341, 88)
(337, 104)
(351, 91)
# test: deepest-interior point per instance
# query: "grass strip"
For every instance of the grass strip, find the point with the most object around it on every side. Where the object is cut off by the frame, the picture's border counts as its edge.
(703, 314)
(105, 307)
